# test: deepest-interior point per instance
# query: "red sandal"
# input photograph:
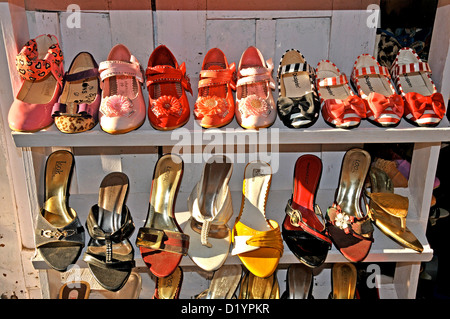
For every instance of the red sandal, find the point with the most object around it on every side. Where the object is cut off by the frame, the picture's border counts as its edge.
(161, 241)
(167, 84)
(304, 229)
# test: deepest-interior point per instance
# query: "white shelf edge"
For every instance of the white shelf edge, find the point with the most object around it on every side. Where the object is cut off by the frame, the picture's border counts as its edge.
(192, 134)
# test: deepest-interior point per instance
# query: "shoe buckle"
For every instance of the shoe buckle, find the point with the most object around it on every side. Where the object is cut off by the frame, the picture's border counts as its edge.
(151, 238)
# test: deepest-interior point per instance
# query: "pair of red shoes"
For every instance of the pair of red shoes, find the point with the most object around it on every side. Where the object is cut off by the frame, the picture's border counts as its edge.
(377, 98)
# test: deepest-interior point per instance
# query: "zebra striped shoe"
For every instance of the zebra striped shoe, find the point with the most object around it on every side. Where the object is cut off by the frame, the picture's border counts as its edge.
(341, 107)
(373, 83)
(298, 104)
(424, 106)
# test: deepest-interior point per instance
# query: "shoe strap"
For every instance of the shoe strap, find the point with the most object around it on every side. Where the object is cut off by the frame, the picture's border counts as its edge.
(261, 239)
(371, 70)
(167, 73)
(332, 81)
(163, 239)
(112, 68)
(297, 67)
(256, 74)
(218, 77)
(96, 232)
(31, 68)
(399, 69)
(297, 221)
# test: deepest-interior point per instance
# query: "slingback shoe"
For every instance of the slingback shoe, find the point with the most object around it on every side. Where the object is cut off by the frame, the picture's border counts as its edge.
(211, 207)
(59, 235)
(40, 64)
(351, 231)
(110, 255)
(373, 84)
(161, 241)
(257, 240)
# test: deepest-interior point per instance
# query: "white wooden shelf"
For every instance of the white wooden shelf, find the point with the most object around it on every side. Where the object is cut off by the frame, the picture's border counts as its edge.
(383, 249)
(319, 133)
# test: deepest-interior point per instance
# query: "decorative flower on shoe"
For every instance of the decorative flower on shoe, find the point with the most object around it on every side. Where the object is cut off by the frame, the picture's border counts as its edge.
(254, 105)
(167, 105)
(116, 105)
(342, 220)
(210, 106)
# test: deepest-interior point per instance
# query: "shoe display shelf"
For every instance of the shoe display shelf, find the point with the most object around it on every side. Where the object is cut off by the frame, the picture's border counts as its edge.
(328, 29)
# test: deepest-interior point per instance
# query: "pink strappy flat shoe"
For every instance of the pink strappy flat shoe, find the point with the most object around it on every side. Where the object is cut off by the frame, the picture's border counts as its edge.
(255, 106)
(123, 107)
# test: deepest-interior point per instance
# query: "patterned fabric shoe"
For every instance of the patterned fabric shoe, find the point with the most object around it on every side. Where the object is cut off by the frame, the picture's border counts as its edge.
(424, 106)
(373, 83)
(298, 104)
(341, 107)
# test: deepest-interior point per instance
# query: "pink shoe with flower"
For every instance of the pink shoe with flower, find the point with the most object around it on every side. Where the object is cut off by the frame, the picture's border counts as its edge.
(215, 103)
(255, 106)
(167, 83)
(122, 108)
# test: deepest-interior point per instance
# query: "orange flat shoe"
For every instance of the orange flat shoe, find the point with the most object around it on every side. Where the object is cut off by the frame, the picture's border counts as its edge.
(215, 103)
(167, 84)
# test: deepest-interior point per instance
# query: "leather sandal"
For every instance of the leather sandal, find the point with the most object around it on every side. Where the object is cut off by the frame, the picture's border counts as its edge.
(161, 241)
(343, 278)
(59, 235)
(211, 207)
(40, 65)
(110, 255)
(215, 103)
(77, 107)
(299, 280)
(298, 104)
(388, 210)
(303, 227)
(351, 231)
(254, 287)
(167, 84)
(257, 240)
(170, 286)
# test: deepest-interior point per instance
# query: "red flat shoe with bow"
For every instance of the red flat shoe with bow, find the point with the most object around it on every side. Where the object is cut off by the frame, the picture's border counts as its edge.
(373, 83)
(341, 107)
(167, 84)
(424, 106)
